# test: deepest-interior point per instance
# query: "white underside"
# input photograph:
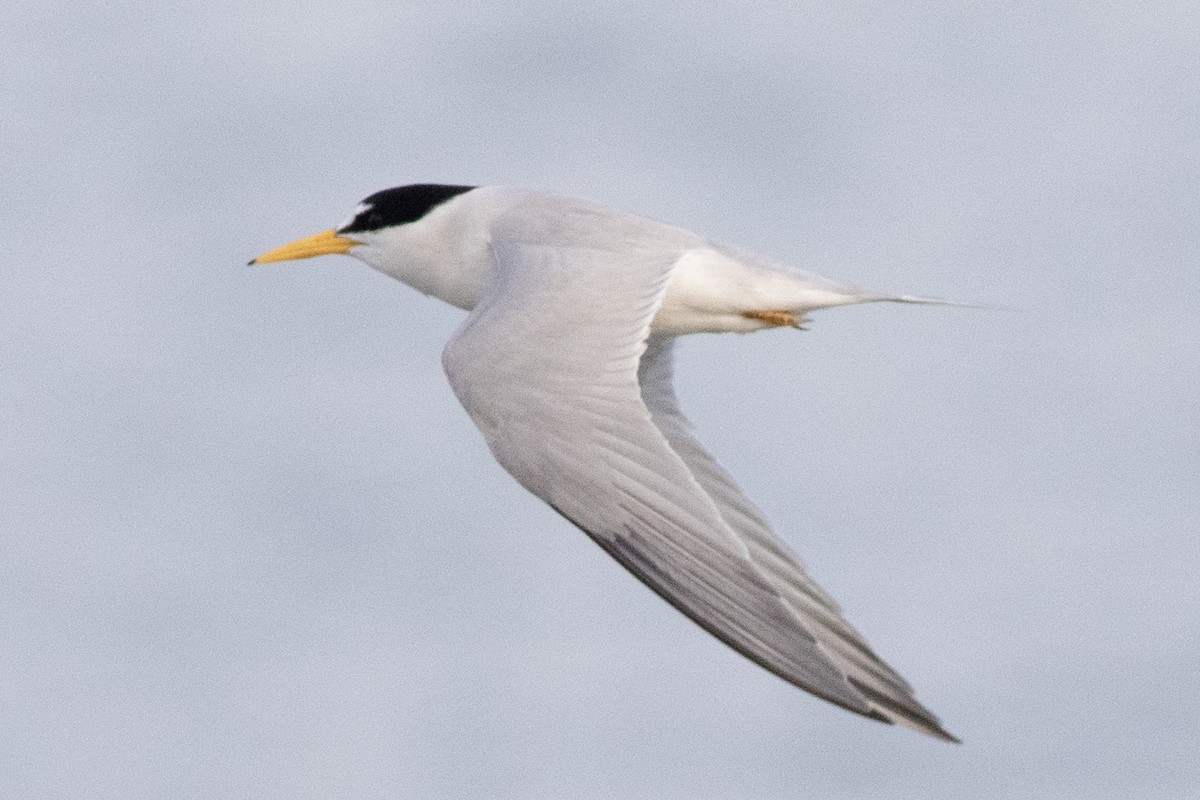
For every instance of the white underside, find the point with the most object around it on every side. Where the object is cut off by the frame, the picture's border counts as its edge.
(711, 292)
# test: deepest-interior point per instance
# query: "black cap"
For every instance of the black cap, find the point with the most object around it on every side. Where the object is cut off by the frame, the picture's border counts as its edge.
(400, 205)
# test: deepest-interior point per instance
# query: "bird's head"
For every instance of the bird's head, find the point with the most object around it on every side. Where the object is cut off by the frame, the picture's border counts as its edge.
(373, 231)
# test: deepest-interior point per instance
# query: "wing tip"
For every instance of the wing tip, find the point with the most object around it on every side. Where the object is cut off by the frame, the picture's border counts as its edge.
(929, 727)
(904, 711)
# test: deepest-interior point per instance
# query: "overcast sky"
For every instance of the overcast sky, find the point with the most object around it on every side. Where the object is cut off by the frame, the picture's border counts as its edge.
(250, 546)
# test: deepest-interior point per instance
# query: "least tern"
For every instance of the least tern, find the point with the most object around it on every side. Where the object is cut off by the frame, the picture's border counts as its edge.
(564, 364)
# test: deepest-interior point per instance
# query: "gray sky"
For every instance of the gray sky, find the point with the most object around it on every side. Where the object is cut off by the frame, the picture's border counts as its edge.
(250, 546)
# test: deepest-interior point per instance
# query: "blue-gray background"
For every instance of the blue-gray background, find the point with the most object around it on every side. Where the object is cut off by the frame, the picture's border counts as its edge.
(250, 546)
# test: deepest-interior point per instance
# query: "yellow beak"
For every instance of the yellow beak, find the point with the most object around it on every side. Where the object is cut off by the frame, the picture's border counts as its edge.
(322, 244)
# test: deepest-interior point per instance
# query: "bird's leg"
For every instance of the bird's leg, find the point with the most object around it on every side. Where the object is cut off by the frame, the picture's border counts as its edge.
(783, 319)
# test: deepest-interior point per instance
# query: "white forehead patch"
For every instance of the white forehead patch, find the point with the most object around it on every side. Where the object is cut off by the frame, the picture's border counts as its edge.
(358, 209)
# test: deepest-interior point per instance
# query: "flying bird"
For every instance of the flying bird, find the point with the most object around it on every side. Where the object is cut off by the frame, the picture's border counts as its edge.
(564, 364)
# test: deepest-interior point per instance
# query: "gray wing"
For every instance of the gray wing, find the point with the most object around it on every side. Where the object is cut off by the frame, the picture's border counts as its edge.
(547, 367)
(887, 693)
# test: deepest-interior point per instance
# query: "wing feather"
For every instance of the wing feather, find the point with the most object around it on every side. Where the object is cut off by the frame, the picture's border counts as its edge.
(547, 365)
(889, 694)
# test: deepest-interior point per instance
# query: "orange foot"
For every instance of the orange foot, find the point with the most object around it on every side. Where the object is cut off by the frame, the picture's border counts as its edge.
(784, 319)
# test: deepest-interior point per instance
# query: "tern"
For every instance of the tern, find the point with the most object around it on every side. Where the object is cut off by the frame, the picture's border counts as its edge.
(565, 365)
